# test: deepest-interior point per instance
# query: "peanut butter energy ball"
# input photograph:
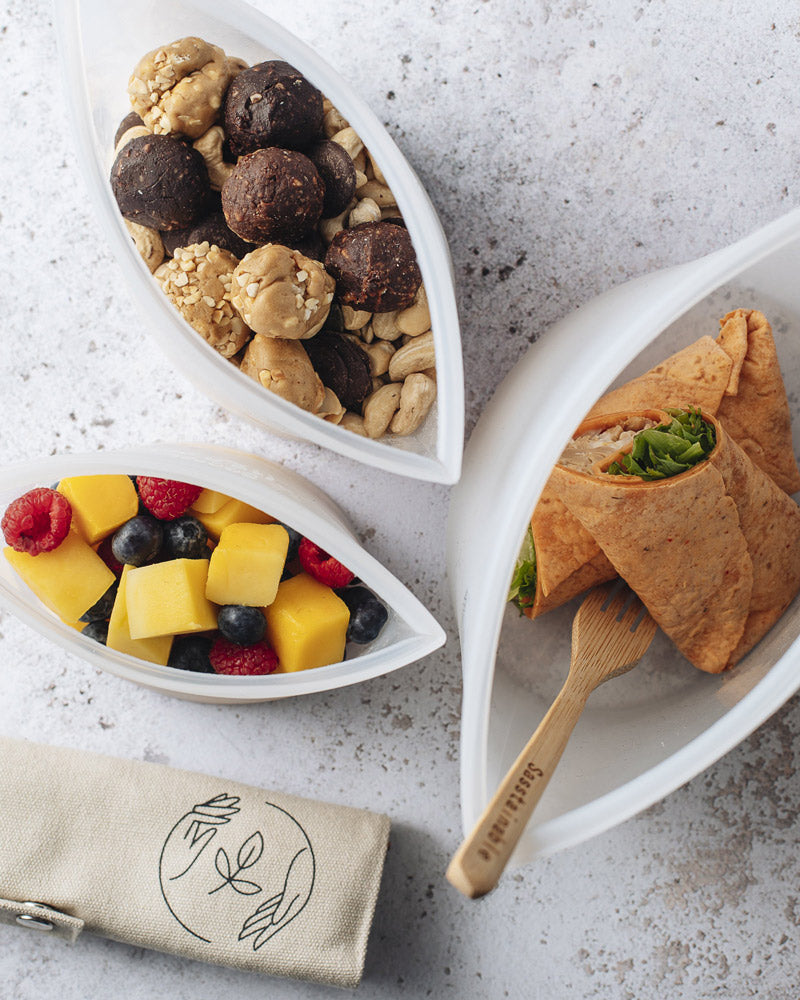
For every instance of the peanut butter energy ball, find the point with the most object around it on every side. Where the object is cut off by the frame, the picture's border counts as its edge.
(272, 104)
(273, 195)
(180, 87)
(374, 266)
(280, 293)
(160, 182)
(283, 367)
(198, 282)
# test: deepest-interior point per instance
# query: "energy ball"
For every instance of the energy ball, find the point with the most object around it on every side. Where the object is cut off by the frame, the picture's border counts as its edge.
(131, 120)
(179, 87)
(160, 182)
(338, 173)
(310, 245)
(280, 293)
(273, 195)
(374, 266)
(343, 367)
(198, 283)
(272, 104)
(212, 229)
(283, 367)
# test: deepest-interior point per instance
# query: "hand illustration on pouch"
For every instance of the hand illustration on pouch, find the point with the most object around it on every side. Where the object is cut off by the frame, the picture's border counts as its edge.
(268, 843)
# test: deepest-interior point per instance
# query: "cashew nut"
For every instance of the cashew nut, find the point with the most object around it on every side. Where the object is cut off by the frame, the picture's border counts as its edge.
(415, 356)
(365, 211)
(354, 319)
(331, 409)
(132, 133)
(352, 422)
(328, 228)
(379, 193)
(332, 121)
(209, 145)
(416, 399)
(384, 326)
(416, 319)
(377, 173)
(380, 407)
(148, 242)
(380, 355)
(349, 141)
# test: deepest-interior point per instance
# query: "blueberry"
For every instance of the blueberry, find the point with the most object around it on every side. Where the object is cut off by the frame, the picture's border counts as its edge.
(101, 611)
(185, 538)
(137, 542)
(242, 625)
(97, 631)
(294, 541)
(190, 652)
(367, 614)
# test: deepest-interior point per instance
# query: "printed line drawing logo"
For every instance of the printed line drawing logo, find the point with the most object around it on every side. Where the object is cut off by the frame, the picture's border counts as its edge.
(259, 875)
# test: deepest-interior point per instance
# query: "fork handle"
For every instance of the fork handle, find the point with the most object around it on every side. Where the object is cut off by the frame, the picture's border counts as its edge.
(481, 859)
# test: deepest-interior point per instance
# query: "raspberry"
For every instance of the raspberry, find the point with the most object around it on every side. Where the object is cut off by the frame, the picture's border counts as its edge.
(37, 522)
(166, 499)
(228, 658)
(316, 562)
(108, 557)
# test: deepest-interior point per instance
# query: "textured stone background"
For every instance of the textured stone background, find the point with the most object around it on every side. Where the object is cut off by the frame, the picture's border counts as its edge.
(567, 146)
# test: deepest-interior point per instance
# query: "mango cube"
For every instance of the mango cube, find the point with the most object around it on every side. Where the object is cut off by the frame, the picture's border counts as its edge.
(169, 598)
(231, 512)
(247, 564)
(306, 624)
(209, 502)
(68, 579)
(154, 650)
(100, 504)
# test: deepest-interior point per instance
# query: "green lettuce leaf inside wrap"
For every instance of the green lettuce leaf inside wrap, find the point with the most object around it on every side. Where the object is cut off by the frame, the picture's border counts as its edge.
(522, 591)
(669, 449)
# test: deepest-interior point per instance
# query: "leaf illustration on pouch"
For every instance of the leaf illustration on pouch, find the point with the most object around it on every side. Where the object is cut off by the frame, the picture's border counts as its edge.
(259, 850)
(248, 854)
(220, 860)
(250, 851)
(280, 909)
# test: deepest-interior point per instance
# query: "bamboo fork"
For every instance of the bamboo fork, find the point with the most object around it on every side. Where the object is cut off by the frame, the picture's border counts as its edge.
(610, 634)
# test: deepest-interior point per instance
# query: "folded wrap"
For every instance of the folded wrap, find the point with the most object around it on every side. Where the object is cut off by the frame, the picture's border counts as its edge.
(713, 552)
(737, 377)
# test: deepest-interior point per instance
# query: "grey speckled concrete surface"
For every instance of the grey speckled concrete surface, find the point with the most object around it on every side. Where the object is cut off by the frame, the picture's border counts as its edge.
(567, 146)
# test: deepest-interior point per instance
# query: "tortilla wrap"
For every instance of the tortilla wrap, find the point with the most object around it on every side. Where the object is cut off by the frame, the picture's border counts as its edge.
(713, 553)
(736, 376)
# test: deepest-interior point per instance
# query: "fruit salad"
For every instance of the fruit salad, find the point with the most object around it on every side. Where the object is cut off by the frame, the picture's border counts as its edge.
(186, 577)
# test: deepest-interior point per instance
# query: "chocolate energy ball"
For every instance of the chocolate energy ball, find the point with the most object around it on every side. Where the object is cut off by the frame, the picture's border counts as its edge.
(272, 104)
(343, 367)
(129, 121)
(273, 195)
(160, 182)
(375, 267)
(310, 245)
(212, 229)
(338, 173)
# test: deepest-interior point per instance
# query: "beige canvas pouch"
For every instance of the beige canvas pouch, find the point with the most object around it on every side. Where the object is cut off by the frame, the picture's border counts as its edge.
(185, 863)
